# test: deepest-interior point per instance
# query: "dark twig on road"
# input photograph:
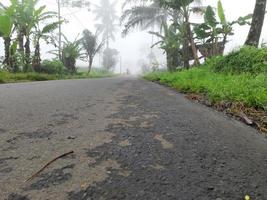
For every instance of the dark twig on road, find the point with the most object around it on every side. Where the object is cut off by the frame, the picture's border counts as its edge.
(49, 163)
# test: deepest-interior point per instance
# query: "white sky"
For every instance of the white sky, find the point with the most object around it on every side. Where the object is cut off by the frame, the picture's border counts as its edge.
(136, 45)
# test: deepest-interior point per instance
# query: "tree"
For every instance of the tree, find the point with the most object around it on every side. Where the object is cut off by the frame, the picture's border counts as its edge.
(110, 59)
(28, 18)
(45, 34)
(149, 15)
(6, 29)
(212, 34)
(25, 11)
(106, 14)
(173, 25)
(257, 23)
(183, 7)
(144, 16)
(71, 51)
(170, 42)
(91, 46)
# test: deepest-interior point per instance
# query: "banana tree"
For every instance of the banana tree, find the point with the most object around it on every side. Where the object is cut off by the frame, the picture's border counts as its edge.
(6, 29)
(26, 18)
(212, 34)
(43, 33)
(170, 42)
(184, 8)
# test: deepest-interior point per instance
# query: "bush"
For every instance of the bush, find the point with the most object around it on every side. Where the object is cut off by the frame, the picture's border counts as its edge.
(52, 67)
(245, 60)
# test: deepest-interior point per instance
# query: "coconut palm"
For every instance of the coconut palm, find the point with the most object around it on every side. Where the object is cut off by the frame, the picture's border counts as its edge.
(164, 13)
(91, 45)
(147, 15)
(106, 14)
(144, 16)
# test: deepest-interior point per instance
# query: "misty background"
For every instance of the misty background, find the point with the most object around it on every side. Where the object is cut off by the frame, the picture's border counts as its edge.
(135, 47)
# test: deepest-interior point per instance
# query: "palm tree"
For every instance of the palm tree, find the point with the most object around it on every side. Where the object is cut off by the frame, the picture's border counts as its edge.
(257, 23)
(91, 46)
(147, 15)
(161, 12)
(106, 14)
(144, 16)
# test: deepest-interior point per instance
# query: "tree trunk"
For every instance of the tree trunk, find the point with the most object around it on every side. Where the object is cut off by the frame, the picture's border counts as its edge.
(27, 55)
(21, 42)
(36, 63)
(186, 53)
(90, 65)
(7, 41)
(172, 57)
(190, 37)
(254, 35)
(10, 60)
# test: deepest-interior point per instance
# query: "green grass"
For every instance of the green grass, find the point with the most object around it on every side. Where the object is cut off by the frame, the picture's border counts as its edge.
(244, 60)
(246, 88)
(6, 77)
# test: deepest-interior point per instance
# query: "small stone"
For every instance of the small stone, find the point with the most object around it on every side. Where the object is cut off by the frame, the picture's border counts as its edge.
(210, 188)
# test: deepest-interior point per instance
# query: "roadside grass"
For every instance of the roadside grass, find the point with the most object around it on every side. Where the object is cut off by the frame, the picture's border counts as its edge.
(6, 77)
(251, 90)
(241, 95)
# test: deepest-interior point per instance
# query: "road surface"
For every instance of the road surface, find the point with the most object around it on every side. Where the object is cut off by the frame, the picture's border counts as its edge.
(132, 139)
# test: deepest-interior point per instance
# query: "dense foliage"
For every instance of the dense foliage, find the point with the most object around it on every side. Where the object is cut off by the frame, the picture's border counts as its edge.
(183, 41)
(54, 66)
(248, 59)
(24, 24)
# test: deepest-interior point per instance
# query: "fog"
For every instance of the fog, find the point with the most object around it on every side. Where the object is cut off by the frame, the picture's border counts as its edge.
(136, 46)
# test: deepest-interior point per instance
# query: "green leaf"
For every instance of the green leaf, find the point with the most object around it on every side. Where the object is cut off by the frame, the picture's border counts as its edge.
(5, 25)
(13, 47)
(50, 27)
(202, 31)
(221, 13)
(209, 17)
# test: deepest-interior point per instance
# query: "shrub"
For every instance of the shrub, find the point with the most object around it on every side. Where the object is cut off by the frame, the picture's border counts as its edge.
(245, 60)
(52, 67)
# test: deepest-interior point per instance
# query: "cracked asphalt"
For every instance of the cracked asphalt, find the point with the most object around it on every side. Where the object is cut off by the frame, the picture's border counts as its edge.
(132, 139)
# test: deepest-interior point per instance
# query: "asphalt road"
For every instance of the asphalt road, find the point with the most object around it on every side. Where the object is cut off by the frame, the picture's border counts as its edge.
(132, 139)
